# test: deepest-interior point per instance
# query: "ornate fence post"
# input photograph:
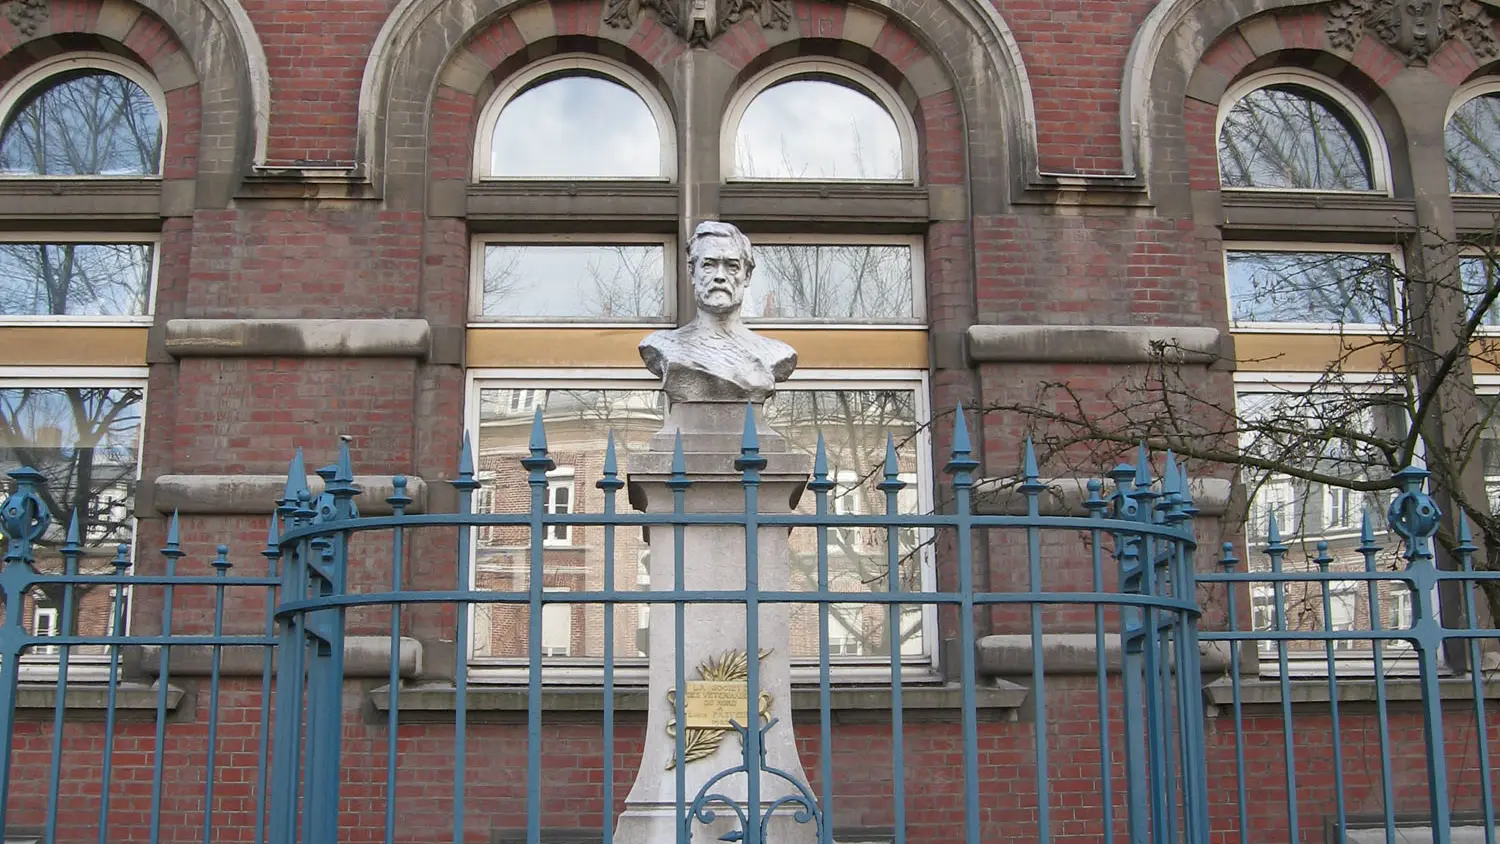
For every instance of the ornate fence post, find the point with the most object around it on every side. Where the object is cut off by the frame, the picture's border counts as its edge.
(25, 519)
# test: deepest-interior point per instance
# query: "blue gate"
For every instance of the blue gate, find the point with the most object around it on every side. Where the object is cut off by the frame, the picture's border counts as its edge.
(151, 739)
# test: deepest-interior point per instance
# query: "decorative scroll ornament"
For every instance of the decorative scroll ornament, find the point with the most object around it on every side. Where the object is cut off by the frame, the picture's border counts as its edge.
(26, 15)
(1414, 28)
(700, 21)
(701, 742)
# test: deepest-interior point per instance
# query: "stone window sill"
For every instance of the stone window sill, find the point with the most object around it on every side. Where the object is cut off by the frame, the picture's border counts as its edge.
(1259, 691)
(93, 697)
(436, 702)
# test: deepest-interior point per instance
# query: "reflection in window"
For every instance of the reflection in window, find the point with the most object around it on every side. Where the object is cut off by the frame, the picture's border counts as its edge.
(578, 426)
(1472, 139)
(855, 424)
(576, 127)
(837, 283)
(92, 123)
(1309, 287)
(815, 128)
(75, 279)
(1290, 136)
(1479, 274)
(596, 282)
(84, 440)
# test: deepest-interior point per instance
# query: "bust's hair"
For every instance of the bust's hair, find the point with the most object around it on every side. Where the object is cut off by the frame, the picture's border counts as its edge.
(716, 228)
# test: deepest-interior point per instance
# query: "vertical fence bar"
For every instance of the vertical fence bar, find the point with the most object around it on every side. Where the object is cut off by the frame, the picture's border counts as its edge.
(1095, 505)
(749, 465)
(679, 484)
(1132, 659)
(820, 486)
(1156, 737)
(611, 485)
(961, 466)
(171, 553)
(1228, 562)
(112, 688)
(1275, 550)
(465, 484)
(272, 553)
(399, 501)
(286, 752)
(25, 519)
(1465, 550)
(1341, 816)
(221, 566)
(71, 549)
(1032, 487)
(1368, 549)
(891, 485)
(1189, 658)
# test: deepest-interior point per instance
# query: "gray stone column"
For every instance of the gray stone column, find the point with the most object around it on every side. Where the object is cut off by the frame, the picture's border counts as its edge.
(714, 558)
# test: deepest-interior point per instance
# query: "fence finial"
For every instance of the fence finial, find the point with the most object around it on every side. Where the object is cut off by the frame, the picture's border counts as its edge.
(173, 548)
(272, 550)
(73, 545)
(221, 558)
(1322, 559)
(610, 480)
(466, 482)
(750, 460)
(820, 481)
(892, 468)
(1413, 515)
(24, 515)
(1274, 545)
(961, 463)
(399, 499)
(1227, 560)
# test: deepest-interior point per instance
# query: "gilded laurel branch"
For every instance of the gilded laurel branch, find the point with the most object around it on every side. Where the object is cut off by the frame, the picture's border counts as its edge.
(701, 743)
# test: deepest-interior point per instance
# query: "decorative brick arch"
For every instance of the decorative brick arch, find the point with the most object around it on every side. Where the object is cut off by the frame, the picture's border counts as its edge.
(967, 45)
(204, 54)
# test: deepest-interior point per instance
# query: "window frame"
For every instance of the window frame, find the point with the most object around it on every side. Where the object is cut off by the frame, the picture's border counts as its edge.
(573, 64)
(670, 272)
(84, 667)
(876, 670)
(38, 74)
(918, 282)
(1357, 111)
(51, 237)
(857, 78)
(1398, 303)
(1472, 90)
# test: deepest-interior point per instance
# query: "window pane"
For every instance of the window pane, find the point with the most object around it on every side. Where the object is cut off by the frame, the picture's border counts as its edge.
(578, 426)
(576, 127)
(1472, 139)
(75, 279)
(1288, 136)
(1309, 287)
(596, 282)
(854, 424)
(837, 283)
(1478, 275)
(811, 128)
(84, 440)
(87, 124)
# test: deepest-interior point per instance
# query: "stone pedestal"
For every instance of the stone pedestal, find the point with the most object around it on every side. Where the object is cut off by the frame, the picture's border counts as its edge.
(714, 559)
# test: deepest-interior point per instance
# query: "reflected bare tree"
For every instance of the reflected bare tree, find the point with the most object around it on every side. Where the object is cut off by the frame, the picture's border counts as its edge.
(1290, 136)
(91, 123)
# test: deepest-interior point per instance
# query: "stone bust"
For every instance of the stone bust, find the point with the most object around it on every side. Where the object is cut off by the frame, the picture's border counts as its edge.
(715, 358)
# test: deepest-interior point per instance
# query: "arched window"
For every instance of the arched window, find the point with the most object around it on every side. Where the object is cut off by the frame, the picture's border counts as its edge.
(1472, 139)
(1292, 131)
(83, 115)
(821, 121)
(576, 117)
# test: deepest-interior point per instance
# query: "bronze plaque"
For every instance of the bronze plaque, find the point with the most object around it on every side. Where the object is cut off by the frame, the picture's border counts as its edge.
(711, 703)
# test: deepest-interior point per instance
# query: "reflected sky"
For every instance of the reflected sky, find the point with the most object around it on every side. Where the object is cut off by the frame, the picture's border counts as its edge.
(1472, 139)
(835, 283)
(813, 129)
(1309, 287)
(576, 127)
(1287, 136)
(94, 124)
(617, 281)
(74, 279)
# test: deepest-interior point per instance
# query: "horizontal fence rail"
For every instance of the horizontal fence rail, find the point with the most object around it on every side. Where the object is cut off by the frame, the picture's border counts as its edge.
(327, 688)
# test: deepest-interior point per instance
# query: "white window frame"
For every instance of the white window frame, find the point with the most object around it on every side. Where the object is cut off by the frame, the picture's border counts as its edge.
(920, 668)
(1332, 502)
(1471, 90)
(857, 78)
(1359, 113)
(561, 478)
(74, 237)
(82, 667)
(38, 74)
(562, 607)
(38, 613)
(1398, 304)
(916, 243)
(574, 64)
(670, 269)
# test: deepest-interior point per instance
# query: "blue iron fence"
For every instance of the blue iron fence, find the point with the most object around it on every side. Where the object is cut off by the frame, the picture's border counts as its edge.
(262, 733)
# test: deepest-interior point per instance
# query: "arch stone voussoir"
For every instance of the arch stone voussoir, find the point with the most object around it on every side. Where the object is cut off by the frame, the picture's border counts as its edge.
(973, 52)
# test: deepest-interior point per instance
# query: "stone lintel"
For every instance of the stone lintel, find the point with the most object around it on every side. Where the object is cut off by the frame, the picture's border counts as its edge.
(232, 338)
(1009, 655)
(1065, 496)
(365, 657)
(1098, 344)
(1258, 691)
(848, 704)
(92, 698)
(235, 495)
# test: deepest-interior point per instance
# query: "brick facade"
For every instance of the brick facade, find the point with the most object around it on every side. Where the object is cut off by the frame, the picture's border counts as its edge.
(349, 195)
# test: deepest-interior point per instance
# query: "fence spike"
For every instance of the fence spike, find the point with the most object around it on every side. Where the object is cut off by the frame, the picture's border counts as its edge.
(1465, 536)
(1031, 475)
(961, 445)
(1142, 468)
(221, 560)
(820, 481)
(296, 481)
(272, 550)
(961, 462)
(679, 461)
(538, 443)
(73, 546)
(344, 469)
(891, 469)
(174, 538)
(465, 482)
(1273, 537)
(750, 440)
(1367, 534)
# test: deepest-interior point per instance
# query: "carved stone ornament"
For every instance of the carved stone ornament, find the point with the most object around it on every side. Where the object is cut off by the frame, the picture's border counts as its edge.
(699, 21)
(26, 15)
(1414, 28)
